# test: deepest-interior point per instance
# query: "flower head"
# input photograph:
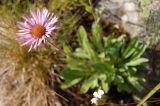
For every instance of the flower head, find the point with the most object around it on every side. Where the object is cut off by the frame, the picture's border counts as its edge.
(94, 101)
(37, 28)
(97, 99)
(98, 94)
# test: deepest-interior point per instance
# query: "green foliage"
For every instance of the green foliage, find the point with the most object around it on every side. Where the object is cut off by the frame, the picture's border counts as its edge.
(85, 3)
(101, 62)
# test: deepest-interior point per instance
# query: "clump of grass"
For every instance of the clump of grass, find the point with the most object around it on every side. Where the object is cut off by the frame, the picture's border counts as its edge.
(23, 75)
(23, 90)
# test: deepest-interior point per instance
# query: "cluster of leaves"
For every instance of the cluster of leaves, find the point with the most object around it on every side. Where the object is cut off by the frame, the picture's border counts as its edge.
(101, 62)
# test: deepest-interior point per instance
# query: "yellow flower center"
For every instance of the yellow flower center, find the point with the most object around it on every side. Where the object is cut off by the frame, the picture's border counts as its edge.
(38, 31)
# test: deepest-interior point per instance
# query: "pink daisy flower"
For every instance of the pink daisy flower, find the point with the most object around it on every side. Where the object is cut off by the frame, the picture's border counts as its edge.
(37, 28)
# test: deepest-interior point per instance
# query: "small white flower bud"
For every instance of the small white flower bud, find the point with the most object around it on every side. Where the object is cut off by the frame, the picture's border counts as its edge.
(94, 101)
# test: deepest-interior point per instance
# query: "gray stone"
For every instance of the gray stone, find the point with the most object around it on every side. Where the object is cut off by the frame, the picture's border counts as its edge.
(122, 13)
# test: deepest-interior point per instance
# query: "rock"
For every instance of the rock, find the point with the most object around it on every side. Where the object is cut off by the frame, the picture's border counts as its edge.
(122, 13)
(136, 17)
(153, 24)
